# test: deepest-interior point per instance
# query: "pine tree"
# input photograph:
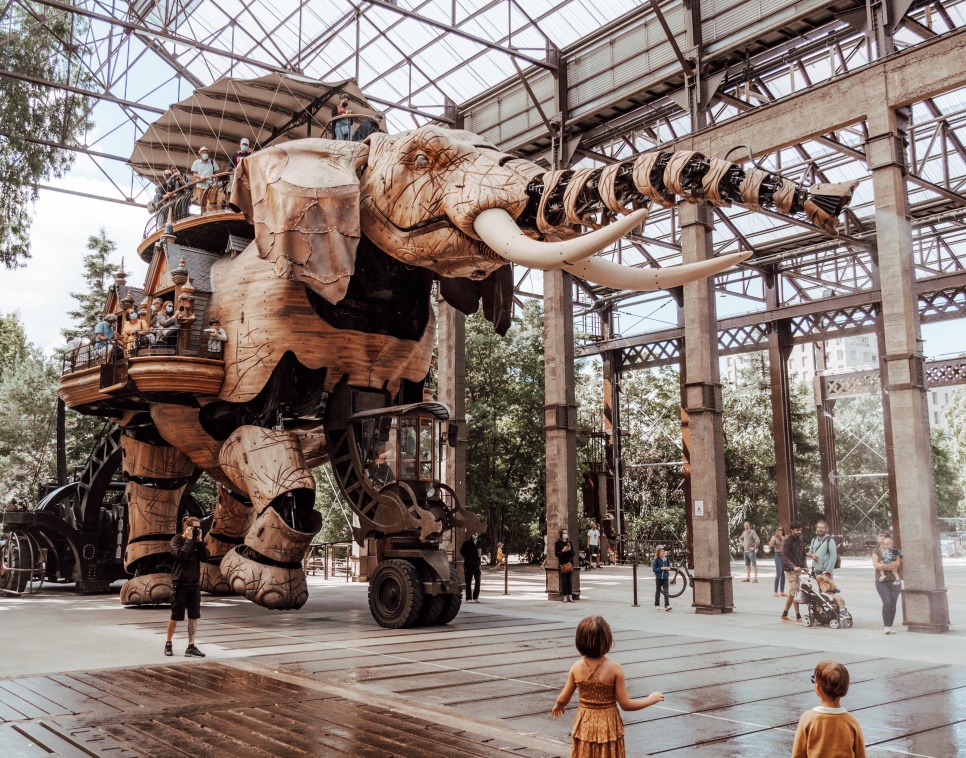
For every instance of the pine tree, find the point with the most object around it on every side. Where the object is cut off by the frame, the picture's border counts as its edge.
(98, 271)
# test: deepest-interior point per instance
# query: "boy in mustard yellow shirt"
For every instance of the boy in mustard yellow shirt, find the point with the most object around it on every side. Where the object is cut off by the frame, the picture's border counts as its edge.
(828, 730)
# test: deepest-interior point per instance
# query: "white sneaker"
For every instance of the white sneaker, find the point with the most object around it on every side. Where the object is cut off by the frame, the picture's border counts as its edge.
(888, 630)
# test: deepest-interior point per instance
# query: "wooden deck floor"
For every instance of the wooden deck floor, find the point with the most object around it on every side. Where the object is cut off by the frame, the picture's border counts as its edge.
(213, 710)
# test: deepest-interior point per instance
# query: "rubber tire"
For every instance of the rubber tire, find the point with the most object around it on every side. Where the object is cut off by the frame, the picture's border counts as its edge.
(677, 582)
(395, 594)
(834, 624)
(452, 603)
(433, 605)
(847, 623)
(806, 620)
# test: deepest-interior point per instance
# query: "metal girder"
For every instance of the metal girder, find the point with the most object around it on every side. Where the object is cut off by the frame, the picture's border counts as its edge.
(940, 298)
(107, 96)
(460, 33)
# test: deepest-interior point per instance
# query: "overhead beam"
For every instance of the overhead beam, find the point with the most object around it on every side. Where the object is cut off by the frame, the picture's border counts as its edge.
(7, 74)
(63, 146)
(912, 76)
(923, 287)
(460, 33)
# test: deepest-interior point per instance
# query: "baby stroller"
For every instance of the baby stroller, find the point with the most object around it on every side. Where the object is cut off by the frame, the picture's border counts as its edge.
(820, 607)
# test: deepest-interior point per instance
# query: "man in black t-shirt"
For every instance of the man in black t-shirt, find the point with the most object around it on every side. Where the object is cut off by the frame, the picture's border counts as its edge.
(470, 553)
(189, 551)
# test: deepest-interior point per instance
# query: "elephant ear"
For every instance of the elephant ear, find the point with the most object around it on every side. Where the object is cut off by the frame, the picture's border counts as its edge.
(303, 200)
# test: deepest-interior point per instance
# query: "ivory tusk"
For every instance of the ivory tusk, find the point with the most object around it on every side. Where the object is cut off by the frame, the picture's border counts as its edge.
(500, 232)
(615, 276)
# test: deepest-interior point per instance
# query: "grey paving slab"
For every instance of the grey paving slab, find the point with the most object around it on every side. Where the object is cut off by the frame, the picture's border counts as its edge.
(944, 742)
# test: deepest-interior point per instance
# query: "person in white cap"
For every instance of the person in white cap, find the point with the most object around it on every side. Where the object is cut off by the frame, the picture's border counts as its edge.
(244, 150)
(201, 172)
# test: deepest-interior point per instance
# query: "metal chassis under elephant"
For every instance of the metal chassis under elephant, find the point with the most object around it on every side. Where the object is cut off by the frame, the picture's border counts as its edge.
(330, 336)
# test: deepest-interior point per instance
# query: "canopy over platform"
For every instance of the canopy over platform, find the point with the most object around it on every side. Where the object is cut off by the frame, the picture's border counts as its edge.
(271, 109)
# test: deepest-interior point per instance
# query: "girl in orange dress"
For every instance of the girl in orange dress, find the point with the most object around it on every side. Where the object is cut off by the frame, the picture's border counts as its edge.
(598, 730)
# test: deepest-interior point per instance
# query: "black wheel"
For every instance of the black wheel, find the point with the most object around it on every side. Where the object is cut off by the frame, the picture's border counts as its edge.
(433, 605)
(395, 594)
(677, 582)
(451, 603)
(847, 622)
(20, 557)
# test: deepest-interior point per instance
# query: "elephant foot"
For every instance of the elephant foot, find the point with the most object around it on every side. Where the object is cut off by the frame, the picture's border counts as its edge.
(280, 588)
(213, 581)
(147, 589)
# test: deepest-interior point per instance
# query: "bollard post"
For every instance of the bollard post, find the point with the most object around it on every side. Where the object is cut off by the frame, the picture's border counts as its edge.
(636, 548)
(506, 572)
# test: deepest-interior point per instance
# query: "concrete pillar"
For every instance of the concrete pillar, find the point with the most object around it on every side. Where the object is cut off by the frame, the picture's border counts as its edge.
(709, 503)
(560, 420)
(925, 605)
(779, 348)
(451, 389)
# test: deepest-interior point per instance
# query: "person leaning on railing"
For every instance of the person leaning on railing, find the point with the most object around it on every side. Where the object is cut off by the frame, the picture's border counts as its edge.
(202, 170)
(104, 334)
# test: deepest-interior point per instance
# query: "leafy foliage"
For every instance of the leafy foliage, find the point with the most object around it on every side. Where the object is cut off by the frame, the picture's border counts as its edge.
(505, 440)
(28, 395)
(45, 46)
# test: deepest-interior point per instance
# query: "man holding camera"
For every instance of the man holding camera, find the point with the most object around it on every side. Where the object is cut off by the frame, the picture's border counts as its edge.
(189, 551)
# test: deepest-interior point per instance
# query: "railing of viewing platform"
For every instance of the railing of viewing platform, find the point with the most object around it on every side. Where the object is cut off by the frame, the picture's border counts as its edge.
(182, 203)
(87, 356)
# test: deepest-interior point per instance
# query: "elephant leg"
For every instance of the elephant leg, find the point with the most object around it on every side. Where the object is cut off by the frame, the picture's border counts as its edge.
(231, 521)
(157, 476)
(268, 464)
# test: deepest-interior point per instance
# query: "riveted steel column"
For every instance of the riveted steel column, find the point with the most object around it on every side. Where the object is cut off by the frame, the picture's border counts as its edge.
(709, 503)
(925, 605)
(779, 348)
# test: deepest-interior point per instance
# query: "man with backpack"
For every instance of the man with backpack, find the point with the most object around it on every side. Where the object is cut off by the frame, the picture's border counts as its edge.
(822, 550)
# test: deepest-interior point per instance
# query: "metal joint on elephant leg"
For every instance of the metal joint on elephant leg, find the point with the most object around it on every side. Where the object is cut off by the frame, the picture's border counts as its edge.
(271, 537)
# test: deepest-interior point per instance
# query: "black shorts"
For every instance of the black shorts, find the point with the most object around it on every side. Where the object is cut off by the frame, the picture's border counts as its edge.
(593, 550)
(186, 597)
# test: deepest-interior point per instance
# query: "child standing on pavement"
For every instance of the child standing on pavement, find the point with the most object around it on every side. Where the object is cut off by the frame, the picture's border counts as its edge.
(662, 569)
(828, 730)
(598, 729)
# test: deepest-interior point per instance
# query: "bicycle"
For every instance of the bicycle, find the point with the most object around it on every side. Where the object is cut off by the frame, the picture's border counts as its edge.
(678, 578)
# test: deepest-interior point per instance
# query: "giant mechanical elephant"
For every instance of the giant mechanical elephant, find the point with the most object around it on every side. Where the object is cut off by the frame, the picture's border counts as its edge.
(328, 314)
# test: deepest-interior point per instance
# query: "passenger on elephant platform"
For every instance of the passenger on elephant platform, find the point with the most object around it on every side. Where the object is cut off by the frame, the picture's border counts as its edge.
(189, 551)
(104, 335)
(165, 324)
(130, 330)
(342, 127)
(201, 172)
(216, 339)
(244, 150)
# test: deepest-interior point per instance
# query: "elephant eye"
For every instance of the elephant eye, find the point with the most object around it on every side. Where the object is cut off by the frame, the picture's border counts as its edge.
(421, 161)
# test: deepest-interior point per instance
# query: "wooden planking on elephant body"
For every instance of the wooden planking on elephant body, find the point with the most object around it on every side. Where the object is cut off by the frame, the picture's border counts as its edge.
(265, 316)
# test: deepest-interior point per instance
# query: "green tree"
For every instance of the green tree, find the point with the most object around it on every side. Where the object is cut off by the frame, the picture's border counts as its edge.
(28, 394)
(948, 474)
(505, 440)
(98, 273)
(13, 342)
(336, 514)
(36, 117)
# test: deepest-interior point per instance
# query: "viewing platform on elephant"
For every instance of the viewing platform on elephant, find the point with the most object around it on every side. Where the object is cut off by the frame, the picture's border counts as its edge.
(118, 378)
(198, 214)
